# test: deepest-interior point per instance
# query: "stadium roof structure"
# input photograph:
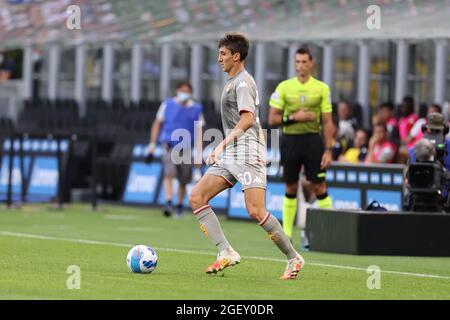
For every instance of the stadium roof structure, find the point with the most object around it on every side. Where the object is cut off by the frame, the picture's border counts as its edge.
(44, 21)
(339, 20)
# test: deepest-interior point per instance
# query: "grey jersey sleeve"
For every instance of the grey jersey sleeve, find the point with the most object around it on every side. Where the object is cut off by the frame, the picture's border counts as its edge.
(245, 97)
(161, 112)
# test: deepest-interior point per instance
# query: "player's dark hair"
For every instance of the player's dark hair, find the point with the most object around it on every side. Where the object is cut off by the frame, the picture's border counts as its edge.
(408, 100)
(436, 106)
(182, 84)
(305, 50)
(235, 42)
(388, 105)
(349, 106)
(380, 124)
(407, 106)
(366, 132)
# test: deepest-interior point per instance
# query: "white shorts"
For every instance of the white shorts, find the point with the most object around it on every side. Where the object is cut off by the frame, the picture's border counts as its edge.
(249, 175)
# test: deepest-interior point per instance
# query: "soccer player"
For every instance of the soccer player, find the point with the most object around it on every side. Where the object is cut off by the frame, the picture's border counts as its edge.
(241, 156)
(299, 105)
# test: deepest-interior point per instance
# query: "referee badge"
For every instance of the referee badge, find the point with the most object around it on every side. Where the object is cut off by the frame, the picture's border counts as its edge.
(302, 99)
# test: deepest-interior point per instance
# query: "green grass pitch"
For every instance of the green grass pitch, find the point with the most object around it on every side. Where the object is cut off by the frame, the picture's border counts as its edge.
(38, 244)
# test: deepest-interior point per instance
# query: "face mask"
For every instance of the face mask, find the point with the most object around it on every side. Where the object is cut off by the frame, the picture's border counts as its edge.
(183, 96)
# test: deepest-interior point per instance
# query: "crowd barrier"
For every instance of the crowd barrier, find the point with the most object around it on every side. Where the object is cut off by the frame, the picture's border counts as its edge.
(31, 169)
(356, 186)
(35, 168)
(378, 233)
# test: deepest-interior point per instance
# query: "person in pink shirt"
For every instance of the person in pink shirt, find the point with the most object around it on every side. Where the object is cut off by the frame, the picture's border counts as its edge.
(381, 149)
(408, 118)
(386, 116)
(415, 134)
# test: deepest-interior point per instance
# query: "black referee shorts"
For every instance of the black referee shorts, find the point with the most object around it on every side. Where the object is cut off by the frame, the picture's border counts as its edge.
(302, 150)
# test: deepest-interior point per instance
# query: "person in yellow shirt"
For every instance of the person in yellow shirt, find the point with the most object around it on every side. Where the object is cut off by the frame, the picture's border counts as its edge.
(302, 107)
(358, 152)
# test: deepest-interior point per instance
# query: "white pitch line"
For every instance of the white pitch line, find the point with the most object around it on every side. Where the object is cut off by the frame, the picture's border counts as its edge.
(125, 245)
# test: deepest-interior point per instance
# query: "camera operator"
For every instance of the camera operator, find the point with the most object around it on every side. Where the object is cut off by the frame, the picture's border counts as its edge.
(435, 130)
(429, 167)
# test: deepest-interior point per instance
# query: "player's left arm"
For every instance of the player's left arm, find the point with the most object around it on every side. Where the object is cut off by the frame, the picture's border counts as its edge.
(327, 127)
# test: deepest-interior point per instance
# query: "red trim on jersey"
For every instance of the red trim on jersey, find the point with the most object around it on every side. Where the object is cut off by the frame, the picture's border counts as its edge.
(246, 110)
(228, 181)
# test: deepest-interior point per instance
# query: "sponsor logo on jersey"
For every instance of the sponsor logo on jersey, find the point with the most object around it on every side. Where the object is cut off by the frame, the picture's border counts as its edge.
(242, 84)
(257, 180)
(302, 99)
(228, 88)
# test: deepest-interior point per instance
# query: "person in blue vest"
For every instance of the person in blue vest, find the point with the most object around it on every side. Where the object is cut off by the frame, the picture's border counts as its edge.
(178, 125)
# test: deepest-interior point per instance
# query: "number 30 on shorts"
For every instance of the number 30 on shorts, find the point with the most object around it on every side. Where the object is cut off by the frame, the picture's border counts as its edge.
(245, 178)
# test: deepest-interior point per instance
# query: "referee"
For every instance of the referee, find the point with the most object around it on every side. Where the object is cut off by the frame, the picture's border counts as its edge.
(302, 106)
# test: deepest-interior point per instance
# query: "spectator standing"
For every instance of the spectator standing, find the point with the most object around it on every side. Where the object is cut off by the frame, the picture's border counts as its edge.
(415, 134)
(386, 116)
(179, 112)
(407, 119)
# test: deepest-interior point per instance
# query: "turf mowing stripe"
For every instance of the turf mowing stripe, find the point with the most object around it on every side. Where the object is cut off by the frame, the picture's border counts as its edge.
(124, 245)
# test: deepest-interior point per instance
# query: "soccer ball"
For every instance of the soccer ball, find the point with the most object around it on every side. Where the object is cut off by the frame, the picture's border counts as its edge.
(142, 259)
